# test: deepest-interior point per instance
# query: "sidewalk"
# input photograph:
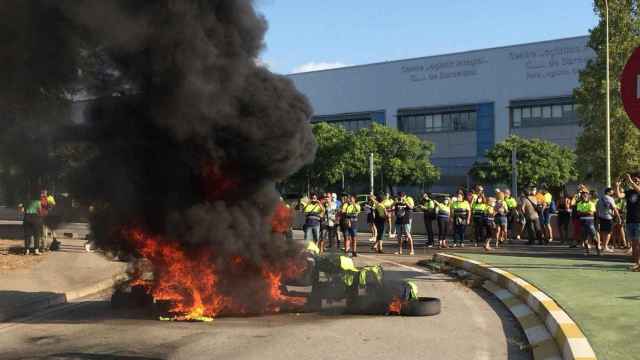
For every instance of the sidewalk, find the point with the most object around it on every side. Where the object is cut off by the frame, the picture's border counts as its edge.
(61, 276)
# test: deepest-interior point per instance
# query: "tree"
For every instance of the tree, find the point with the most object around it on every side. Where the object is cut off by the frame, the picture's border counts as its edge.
(403, 159)
(334, 148)
(41, 55)
(539, 161)
(624, 30)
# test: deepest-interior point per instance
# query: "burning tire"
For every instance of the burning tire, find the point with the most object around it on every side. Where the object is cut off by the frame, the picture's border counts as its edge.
(423, 306)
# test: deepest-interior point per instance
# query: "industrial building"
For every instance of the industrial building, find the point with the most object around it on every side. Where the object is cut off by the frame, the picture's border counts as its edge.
(463, 102)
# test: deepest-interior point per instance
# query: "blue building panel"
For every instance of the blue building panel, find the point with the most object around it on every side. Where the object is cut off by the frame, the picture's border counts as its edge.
(485, 126)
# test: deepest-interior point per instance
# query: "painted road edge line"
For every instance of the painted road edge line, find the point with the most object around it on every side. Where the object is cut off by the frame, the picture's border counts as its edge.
(568, 336)
(543, 346)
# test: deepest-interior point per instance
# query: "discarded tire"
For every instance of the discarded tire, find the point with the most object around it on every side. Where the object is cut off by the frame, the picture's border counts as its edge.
(424, 306)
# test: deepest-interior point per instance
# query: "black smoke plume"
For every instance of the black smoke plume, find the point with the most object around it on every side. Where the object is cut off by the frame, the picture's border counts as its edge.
(190, 134)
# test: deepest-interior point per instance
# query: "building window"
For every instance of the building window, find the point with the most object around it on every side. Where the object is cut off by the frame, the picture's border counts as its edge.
(438, 122)
(524, 115)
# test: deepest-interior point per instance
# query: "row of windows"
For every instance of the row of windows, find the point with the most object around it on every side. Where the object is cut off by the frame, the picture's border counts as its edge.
(350, 124)
(450, 121)
(529, 116)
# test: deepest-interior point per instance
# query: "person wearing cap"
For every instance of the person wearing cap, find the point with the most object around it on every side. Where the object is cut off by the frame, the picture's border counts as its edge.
(586, 209)
(607, 212)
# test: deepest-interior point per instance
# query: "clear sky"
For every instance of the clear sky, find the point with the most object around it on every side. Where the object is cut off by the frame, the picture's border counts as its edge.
(308, 35)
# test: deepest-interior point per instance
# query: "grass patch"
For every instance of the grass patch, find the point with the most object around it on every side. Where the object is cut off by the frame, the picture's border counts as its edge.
(601, 296)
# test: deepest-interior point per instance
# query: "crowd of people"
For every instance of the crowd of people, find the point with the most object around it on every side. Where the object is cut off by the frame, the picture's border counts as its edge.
(38, 237)
(598, 222)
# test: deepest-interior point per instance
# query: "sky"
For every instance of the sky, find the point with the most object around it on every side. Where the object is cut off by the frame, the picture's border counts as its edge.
(314, 35)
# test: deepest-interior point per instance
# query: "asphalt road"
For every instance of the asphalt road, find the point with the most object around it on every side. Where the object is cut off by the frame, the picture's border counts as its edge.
(472, 325)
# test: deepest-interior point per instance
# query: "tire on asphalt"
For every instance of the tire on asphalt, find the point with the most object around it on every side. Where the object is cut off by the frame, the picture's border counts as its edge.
(423, 306)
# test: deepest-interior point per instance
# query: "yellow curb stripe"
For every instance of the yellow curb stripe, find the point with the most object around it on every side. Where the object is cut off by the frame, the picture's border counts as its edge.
(564, 330)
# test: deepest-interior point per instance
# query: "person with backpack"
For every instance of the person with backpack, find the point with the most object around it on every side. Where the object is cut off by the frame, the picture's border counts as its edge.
(529, 209)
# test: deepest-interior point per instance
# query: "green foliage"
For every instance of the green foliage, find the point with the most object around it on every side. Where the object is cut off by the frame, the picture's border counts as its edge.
(334, 145)
(403, 159)
(624, 34)
(538, 162)
(400, 158)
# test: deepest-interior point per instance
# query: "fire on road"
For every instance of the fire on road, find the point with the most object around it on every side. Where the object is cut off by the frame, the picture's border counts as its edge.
(472, 325)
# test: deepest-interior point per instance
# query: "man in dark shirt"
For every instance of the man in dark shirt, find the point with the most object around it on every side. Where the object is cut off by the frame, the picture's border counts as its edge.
(632, 195)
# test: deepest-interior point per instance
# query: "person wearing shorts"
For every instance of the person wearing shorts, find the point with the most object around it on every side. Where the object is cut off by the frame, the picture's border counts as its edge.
(351, 211)
(607, 212)
(403, 208)
(501, 218)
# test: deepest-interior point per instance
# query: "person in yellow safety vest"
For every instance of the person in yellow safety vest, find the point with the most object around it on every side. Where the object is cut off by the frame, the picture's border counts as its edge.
(502, 218)
(428, 207)
(351, 211)
(342, 220)
(586, 209)
(379, 221)
(443, 214)
(546, 213)
(390, 225)
(478, 209)
(490, 223)
(403, 209)
(512, 214)
(313, 212)
(461, 218)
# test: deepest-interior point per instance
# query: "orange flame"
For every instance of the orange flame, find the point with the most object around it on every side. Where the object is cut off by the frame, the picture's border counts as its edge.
(282, 218)
(395, 306)
(192, 280)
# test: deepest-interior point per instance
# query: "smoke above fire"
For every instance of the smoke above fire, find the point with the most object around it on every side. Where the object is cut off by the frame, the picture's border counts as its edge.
(192, 135)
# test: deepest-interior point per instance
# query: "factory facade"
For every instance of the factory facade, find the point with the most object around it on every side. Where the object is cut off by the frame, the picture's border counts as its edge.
(463, 103)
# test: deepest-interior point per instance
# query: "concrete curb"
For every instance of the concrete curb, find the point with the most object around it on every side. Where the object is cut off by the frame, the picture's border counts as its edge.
(58, 299)
(566, 333)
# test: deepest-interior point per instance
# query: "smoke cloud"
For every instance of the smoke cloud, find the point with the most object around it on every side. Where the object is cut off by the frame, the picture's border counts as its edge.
(195, 135)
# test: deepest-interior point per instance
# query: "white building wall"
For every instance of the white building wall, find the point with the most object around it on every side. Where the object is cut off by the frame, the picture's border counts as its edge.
(496, 75)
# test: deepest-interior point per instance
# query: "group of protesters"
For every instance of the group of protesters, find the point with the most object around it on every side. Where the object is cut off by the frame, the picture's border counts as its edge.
(599, 221)
(37, 235)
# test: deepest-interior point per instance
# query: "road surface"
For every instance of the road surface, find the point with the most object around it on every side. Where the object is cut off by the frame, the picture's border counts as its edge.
(472, 325)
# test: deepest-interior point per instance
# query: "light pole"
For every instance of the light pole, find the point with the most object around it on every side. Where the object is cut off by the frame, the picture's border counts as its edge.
(608, 124)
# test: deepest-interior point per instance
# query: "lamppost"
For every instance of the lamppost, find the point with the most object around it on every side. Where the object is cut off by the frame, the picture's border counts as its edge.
(608, 124)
